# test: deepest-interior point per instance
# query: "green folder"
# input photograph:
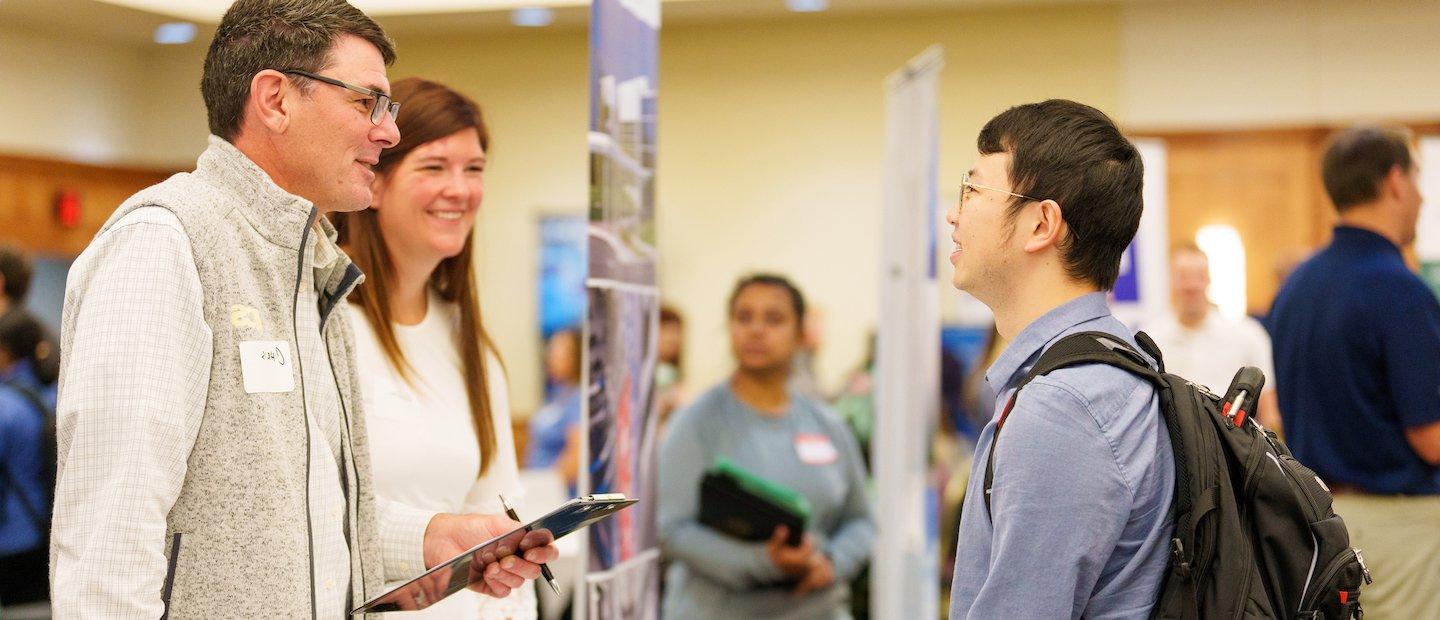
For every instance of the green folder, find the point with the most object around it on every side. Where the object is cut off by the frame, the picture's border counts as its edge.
(782, 496)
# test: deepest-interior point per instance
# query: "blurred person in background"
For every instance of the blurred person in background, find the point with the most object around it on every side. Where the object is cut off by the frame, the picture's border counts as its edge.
(977, 395)
(27, 461)
(555, 428)
(1202, 345)
(1357, 353)
(39, 368)
(15, 274)
(754, 420)
(434, 387)
(803, 378)
(856, 401)
(670, 367)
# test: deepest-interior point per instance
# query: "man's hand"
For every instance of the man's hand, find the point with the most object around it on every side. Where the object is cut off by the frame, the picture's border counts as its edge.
(793, 561)
(821, 575)
(511, 563)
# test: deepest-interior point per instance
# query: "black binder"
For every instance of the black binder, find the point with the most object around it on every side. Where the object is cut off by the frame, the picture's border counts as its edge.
(730, 504)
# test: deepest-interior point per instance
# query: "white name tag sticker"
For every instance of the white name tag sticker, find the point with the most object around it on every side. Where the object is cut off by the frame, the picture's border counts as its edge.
(266, 365)
(815, 449)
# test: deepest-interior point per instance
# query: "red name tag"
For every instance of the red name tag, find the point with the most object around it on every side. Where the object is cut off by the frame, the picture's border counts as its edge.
(815, 449)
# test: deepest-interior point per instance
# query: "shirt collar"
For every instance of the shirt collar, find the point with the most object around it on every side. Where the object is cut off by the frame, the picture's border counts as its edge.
(1025, 349)
(329, 261)
(1362, 238)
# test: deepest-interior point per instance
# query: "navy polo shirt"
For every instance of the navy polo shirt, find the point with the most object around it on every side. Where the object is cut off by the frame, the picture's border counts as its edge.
(1357, 361)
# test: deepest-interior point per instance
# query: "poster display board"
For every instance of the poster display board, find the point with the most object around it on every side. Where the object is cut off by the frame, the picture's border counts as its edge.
(622, 578)
(907, 393)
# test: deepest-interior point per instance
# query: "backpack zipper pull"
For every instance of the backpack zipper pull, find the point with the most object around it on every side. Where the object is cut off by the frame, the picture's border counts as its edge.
(1177, 556)
(1364, 570)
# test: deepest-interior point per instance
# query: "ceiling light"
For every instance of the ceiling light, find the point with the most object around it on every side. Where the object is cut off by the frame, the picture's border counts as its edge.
(175, 33)
(532, 17)
(807, 6)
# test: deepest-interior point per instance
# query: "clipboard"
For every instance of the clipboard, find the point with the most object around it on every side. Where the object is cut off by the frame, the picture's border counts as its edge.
(457, 573)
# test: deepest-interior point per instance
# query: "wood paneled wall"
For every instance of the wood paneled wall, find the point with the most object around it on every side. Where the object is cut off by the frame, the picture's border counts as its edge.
(1265, 183)
(29, 188)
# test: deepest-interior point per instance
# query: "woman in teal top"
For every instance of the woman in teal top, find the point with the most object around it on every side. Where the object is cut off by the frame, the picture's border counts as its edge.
(755, 423)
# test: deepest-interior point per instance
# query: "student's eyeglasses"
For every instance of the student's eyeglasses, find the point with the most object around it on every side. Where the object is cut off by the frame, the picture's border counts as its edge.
(966, 188)
(380, 102)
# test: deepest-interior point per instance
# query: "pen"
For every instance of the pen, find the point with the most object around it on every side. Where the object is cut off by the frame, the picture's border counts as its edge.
(544, 569)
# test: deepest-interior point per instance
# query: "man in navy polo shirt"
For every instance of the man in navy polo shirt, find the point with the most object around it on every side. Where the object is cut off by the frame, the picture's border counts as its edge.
(1357, 359)
(1079, 514)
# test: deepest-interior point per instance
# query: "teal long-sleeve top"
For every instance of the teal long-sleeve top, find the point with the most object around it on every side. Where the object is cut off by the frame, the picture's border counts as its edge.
(714, 576)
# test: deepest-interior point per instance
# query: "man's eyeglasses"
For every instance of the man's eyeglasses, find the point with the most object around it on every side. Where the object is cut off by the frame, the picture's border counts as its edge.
(380, 102)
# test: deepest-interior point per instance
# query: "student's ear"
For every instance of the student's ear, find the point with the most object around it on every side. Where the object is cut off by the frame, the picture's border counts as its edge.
(1046, 225)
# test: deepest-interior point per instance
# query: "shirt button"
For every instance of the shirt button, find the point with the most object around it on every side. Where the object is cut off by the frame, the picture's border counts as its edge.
(329, 584)
(404, 567)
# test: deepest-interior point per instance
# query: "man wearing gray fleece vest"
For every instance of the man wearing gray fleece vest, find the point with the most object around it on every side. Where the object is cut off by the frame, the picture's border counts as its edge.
(213, 458)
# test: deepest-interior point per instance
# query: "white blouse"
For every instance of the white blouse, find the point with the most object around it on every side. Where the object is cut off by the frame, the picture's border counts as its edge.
(422, 440)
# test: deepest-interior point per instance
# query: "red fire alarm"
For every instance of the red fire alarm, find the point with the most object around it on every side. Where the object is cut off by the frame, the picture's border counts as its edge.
(67, 208)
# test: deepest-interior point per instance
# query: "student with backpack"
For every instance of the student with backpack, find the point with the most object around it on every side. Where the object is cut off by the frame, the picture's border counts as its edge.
(1119, 491)
(1079, 517)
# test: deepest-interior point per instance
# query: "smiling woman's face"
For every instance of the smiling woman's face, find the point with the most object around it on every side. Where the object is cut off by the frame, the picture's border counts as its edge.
(426, 206)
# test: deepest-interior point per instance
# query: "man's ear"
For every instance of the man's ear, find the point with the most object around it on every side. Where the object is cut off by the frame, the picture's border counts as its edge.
(271, 100)
(1044, 225)
(1395, 182)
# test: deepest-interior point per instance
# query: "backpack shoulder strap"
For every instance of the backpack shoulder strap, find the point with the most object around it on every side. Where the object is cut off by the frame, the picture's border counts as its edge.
(1147, 344)
(1073, 350)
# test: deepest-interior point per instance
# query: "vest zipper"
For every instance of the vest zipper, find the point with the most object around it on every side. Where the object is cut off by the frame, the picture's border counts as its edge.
(305, 405)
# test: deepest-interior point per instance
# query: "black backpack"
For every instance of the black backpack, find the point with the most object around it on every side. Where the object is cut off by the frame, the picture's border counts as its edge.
(1255, 535)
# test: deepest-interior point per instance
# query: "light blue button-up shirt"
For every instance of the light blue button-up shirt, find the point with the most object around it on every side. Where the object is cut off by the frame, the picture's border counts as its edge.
(1082, 488)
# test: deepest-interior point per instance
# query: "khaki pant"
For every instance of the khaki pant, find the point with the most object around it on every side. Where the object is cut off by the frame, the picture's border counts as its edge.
(1400, 540)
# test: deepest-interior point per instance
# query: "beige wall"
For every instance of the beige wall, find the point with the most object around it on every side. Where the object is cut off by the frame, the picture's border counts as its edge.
(1233, 64)
(771, 133)
(71, 99)
(772, 138)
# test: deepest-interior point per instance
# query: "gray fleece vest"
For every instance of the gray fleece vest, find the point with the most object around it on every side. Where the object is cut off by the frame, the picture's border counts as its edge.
(238, 538)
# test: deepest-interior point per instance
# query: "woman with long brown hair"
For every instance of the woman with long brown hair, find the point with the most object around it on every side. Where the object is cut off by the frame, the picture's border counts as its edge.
(436, 404)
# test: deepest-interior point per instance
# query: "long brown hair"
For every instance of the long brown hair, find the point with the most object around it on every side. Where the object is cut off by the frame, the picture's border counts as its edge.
(431, 111)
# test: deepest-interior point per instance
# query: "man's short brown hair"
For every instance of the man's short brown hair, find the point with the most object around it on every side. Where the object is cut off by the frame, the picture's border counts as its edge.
(1358, 159)
(256, 35)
